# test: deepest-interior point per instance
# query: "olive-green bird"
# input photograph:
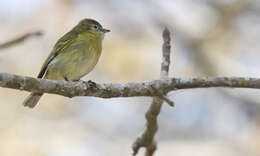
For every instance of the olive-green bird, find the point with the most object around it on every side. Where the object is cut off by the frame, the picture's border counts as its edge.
(73, 56)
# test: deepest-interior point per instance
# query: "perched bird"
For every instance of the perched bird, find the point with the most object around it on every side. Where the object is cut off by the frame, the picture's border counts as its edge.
(73, 56)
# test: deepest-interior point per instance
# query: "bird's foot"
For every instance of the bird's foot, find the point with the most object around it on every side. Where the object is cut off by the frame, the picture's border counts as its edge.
(66, 79)
(91, 84)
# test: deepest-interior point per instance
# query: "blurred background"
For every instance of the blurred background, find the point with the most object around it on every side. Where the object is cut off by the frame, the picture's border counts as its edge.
(209, 38)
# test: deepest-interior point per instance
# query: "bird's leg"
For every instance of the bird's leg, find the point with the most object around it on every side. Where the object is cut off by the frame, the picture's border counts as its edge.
(66, 79)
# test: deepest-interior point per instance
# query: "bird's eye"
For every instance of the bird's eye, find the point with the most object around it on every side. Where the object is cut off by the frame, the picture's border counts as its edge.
(96, 27)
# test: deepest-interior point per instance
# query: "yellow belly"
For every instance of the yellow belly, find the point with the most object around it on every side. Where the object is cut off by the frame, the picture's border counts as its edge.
(72, 65)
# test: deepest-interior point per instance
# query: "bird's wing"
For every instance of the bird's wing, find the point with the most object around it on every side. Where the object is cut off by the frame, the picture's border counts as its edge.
(59, 47)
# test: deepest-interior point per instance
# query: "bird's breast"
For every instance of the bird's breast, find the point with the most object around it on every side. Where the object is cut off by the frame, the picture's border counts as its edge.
(89, 57)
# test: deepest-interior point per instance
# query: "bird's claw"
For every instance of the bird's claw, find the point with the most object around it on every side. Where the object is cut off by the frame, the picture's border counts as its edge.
(91, 84)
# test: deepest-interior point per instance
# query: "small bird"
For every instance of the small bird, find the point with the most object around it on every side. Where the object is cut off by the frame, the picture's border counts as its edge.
(73, 56)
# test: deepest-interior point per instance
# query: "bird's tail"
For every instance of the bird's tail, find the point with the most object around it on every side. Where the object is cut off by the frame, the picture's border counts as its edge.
(32, 100)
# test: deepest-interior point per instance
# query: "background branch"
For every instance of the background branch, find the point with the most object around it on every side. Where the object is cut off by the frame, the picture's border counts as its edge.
(19, 39)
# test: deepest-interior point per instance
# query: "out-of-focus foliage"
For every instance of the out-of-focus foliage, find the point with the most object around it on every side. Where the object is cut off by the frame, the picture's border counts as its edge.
(210, 38)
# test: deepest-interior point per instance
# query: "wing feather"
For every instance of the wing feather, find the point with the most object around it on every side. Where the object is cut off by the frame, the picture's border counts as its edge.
(59, 47)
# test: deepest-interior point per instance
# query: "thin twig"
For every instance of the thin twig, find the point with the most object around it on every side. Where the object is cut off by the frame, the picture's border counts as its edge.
(19, 39)
(163, 97)
(166, 99)
(147, 138)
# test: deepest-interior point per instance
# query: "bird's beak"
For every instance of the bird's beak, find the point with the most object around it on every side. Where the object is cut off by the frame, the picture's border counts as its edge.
(106, 30)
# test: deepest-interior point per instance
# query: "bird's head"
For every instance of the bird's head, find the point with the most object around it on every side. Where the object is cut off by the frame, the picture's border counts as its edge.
(91, 25)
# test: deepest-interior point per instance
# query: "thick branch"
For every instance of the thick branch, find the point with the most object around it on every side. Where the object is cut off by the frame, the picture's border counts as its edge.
(81, 88)
(19, 39)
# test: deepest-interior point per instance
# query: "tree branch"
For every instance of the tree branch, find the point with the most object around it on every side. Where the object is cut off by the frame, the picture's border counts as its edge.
(19, 39)
(147, 138)
(82, 88)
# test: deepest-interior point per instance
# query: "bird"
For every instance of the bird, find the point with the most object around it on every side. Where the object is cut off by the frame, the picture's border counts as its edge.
(74, 55)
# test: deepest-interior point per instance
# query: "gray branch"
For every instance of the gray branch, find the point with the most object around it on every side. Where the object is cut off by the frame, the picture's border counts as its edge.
(82, 88)
(147, 138)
